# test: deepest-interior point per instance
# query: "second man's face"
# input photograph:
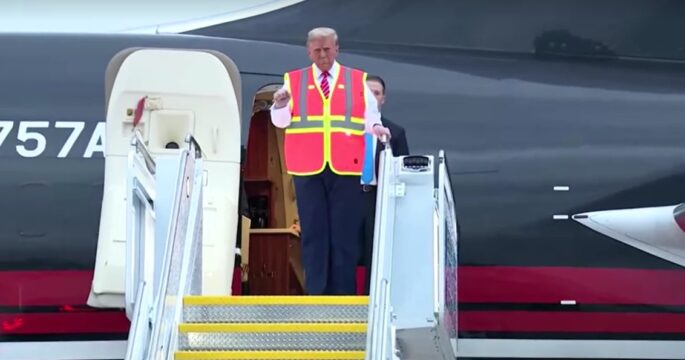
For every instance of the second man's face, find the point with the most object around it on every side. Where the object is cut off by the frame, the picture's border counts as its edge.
(378, 92)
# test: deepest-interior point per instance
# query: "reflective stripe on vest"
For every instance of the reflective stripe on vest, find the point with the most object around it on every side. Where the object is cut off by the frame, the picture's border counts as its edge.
(312, 141)
(306, 122)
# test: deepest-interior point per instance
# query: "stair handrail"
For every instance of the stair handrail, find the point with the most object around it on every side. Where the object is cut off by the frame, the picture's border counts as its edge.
(167, 311)
(139, 145)
(139, 245)
(380, 332)
(141, 195)
(154, 202)
(190, 272)
(448, 260)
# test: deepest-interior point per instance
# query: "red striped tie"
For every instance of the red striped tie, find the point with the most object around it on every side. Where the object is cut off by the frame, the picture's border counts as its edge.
(324, 84)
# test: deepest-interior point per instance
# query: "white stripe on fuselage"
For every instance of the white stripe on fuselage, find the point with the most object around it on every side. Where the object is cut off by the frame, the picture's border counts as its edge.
(63, 350)
(574, 349)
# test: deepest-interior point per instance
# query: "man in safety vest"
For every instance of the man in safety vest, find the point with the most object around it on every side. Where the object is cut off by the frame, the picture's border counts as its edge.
(325, 109)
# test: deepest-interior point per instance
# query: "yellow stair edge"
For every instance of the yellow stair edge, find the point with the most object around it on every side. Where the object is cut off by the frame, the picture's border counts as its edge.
(276, 300)
(273, 327)
(259, 355)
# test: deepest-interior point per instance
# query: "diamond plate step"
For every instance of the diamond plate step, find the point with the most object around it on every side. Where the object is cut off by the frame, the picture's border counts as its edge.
(271, 355)
(272, 337)
(275, 309)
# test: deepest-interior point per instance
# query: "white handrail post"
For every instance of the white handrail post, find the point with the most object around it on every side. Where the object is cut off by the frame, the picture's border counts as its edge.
(140, 231)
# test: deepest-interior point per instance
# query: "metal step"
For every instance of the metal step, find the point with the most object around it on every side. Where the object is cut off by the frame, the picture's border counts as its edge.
(275, 309)
(273, 327)
(271, 355)
(274, 336)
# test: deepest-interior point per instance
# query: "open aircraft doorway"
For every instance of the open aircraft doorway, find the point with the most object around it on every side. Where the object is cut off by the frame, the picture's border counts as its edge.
(270, 246)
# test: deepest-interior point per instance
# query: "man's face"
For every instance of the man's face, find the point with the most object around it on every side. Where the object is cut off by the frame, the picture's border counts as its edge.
(323, 52)
(378, 92)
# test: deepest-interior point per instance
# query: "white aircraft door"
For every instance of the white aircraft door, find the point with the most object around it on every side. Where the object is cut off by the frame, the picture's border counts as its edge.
(174, 92)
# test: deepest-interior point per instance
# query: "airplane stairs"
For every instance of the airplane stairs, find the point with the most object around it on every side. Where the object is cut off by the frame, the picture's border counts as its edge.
(410, 313)
(273, 327)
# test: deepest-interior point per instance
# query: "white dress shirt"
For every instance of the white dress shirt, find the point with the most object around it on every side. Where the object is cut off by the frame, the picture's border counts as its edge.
(281, 117)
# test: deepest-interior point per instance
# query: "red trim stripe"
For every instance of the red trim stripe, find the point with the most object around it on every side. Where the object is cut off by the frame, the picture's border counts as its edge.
(64, 323)
(544, 285)
(565, 322)
(41, 288)
(477, 284)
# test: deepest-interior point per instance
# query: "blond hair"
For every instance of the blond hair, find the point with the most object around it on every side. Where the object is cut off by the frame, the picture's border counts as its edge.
(322, 32)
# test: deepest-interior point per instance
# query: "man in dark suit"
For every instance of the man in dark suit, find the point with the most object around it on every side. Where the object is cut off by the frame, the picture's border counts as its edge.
(399, 145)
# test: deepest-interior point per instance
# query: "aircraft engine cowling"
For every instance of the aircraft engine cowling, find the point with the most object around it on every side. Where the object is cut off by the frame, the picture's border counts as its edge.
(659, 231)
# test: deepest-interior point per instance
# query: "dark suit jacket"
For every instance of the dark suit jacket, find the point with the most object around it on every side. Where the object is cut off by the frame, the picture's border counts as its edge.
(398, 140)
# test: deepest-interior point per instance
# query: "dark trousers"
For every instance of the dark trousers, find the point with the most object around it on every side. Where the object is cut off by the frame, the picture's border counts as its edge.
(330, 208)
(367, 234)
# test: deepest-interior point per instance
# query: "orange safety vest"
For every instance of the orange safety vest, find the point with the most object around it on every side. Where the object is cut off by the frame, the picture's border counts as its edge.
(326, 131)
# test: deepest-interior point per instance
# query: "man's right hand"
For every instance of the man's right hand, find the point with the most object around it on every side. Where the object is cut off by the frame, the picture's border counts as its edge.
(281, 98)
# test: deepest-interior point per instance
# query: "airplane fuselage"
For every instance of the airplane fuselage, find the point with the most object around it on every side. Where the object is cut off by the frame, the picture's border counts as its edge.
(528, 147)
